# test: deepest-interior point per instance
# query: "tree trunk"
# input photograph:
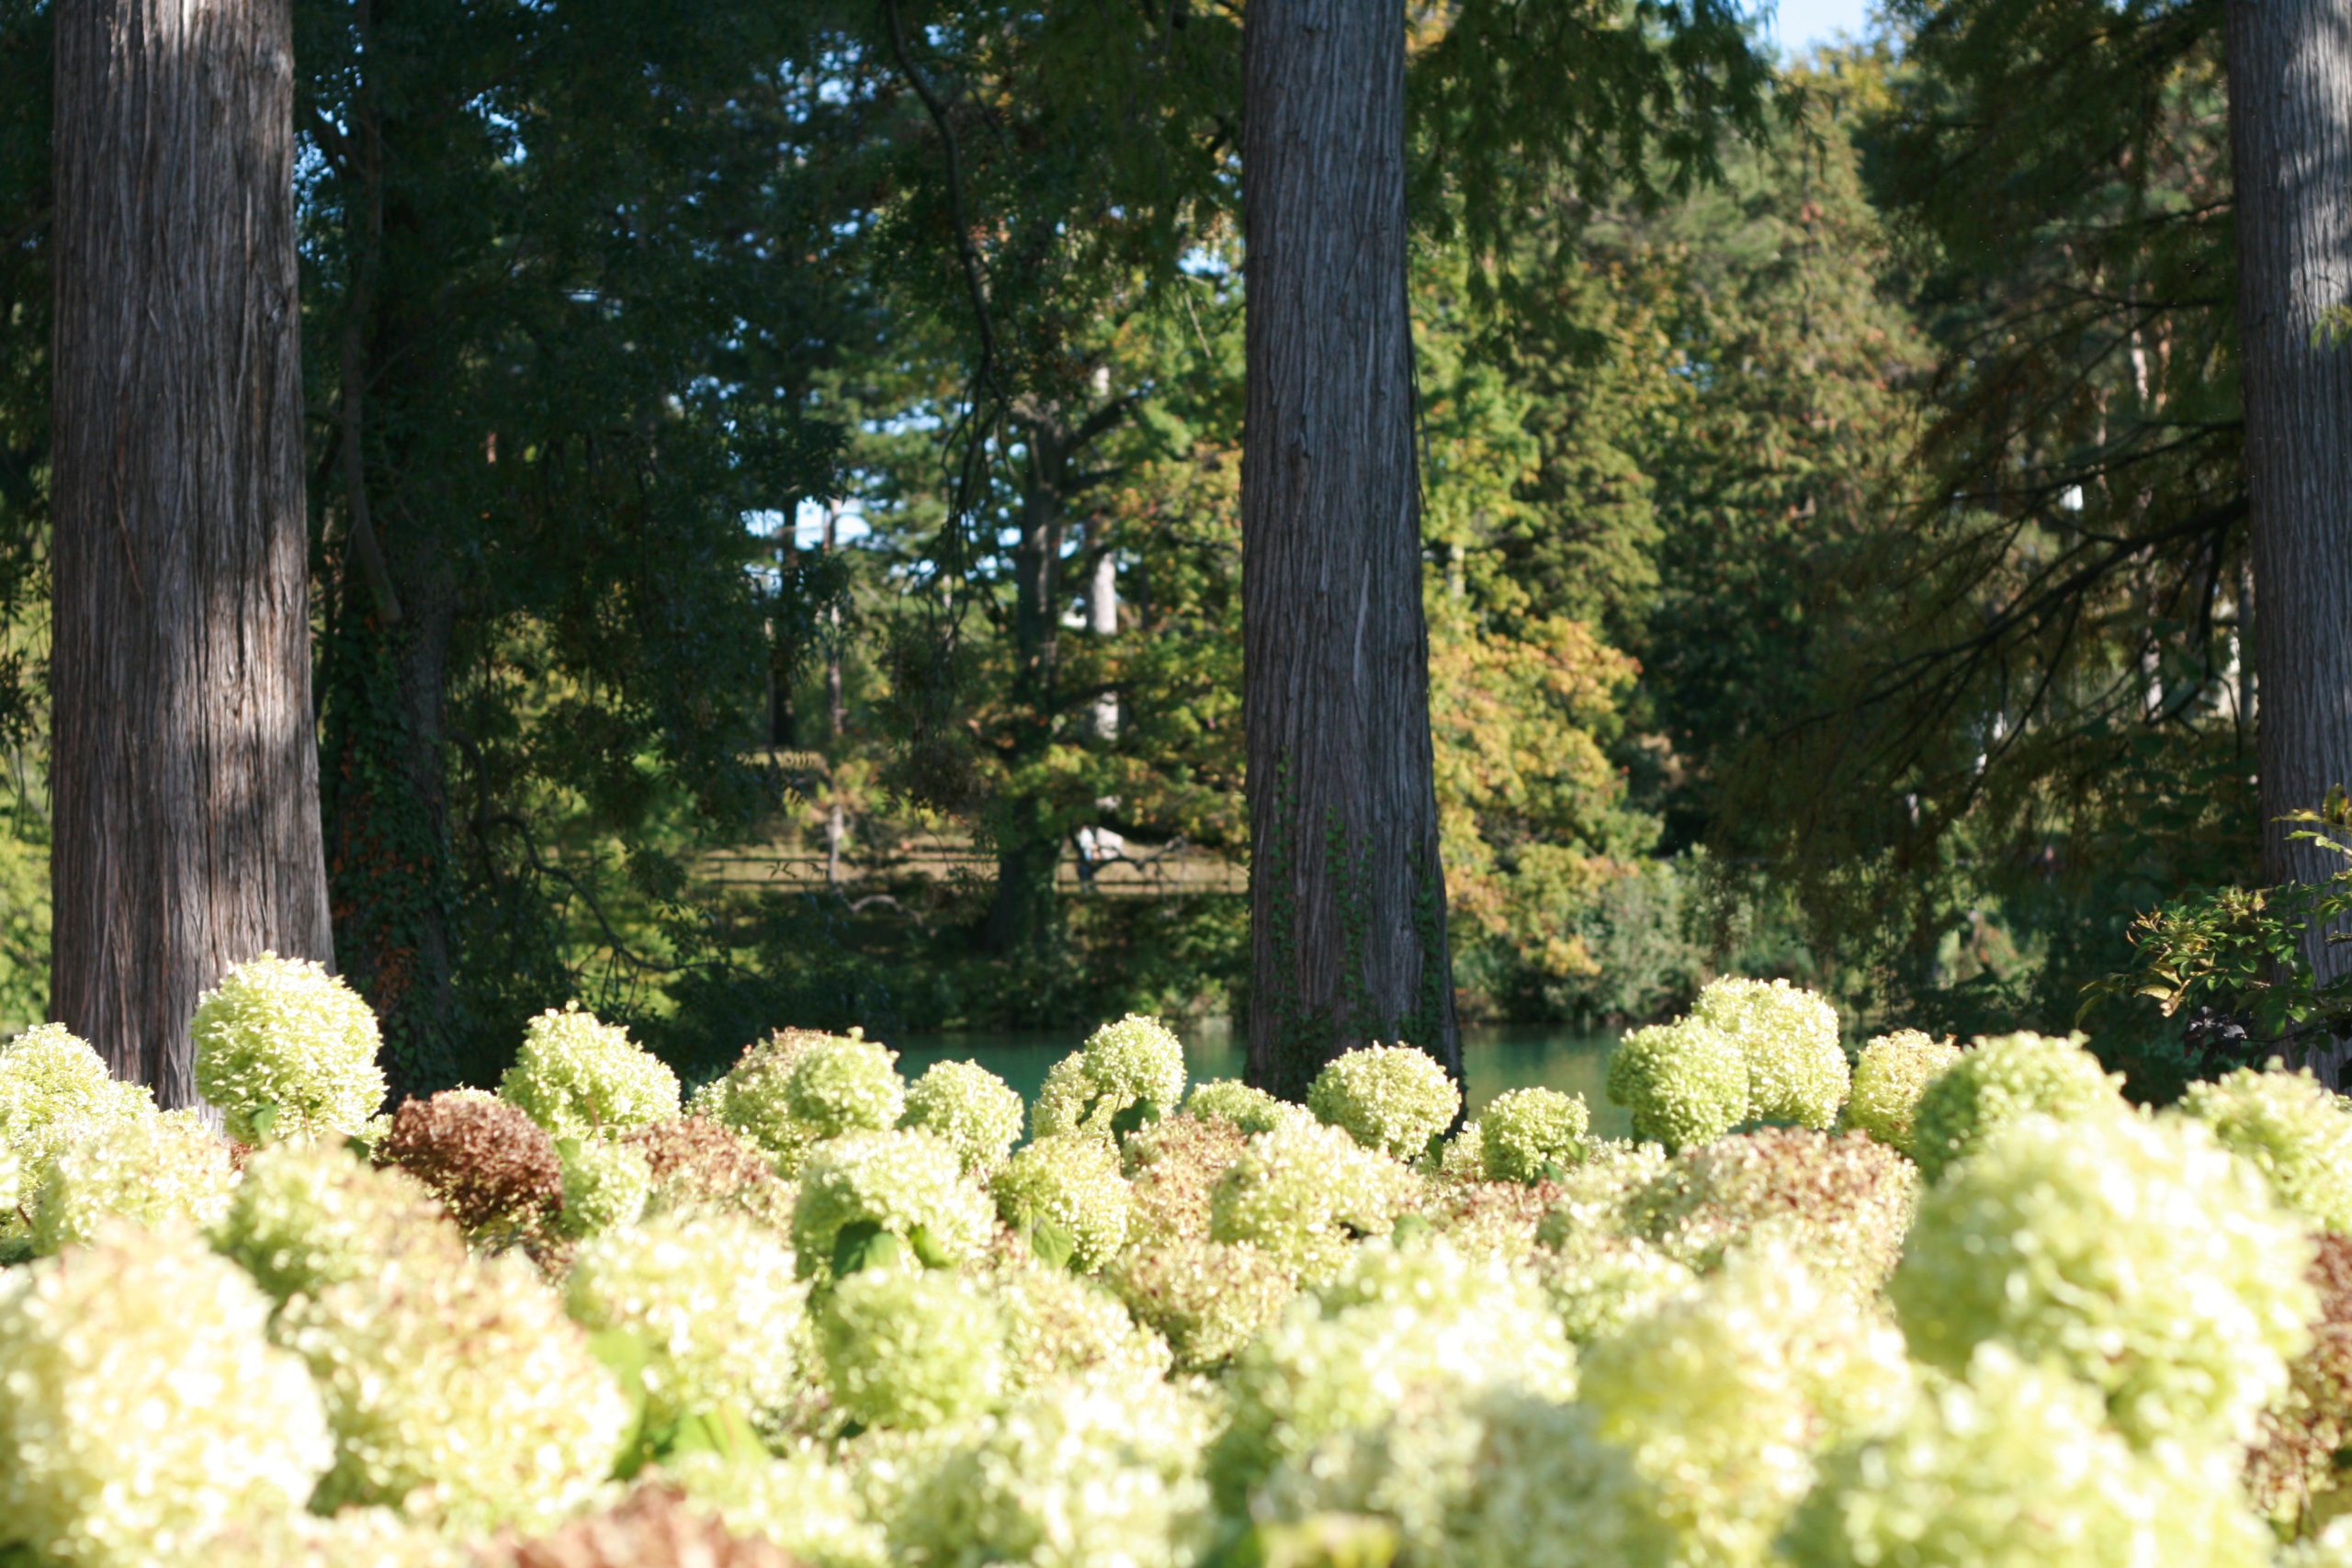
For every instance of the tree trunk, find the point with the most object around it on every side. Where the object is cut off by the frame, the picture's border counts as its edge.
(185, 767)
(1347, 893)
(2291, 143)
(1028, 850)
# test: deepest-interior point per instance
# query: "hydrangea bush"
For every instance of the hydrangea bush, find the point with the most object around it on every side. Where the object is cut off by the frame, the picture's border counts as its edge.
(2295, 1129)
(1796, 1069)
(1994, 1082)
(1890, 1075)
(1524, 1131)
(1684, 1082)
(1391, 1099)
(286, 1051)
(969, 1109)
(577, 1075)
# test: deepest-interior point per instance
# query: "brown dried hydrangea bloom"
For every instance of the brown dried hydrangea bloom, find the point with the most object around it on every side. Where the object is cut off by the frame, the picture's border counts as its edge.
(1173, 1164)
(699, 1163)
(654, 1527)
(1842, 1200)
(493, 1167)
(2293, 1460)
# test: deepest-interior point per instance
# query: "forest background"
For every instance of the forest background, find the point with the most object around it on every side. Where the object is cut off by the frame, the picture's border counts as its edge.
(1836, 567)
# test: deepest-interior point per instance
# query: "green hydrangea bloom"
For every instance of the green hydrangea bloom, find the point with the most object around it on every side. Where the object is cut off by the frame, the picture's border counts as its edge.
(900, 1181)
(2331, 1548)
(1462, 1158)
(2138, 1255)
(143, 1409)
(715, 1302)
(1207, 1299)
(286, 1051)
(158, 1168)
(2011, 1463)
(1723, 1396)
(576, 1074)
(1997, 1080)
(1524, 1130)
(1393, 1098)
(1891, 1073)
(2295, 1129)
(1173, 1166)
(1064, 1099)
(1080, 1474)
(800, 1503)
(1058, 1324)
(909, 1347)
(354, 1538)
(1796, 1069)
(305, 1217)
(752, 1097)
(1842, 1202)
(1252, 1110)
(1306, 1194)
(463, 1394)
(843, 1084)
(1136, 1061)
(1072, 1181)
(969, 1108)
(1543, 1490)
(1309, 1419)
(1684, 1082)
(51, 1082)
(1599, 1282)
(1604, 1195)
(605, 1185)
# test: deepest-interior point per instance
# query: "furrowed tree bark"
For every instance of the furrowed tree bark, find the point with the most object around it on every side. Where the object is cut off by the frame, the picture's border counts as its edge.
(2290, 145)
(1347, 892)
(184, 769)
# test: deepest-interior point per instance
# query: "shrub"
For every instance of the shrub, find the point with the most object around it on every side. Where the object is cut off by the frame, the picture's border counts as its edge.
(1173, 1165)
(463, 1394)
(286, 1051)
(699, 1165)
(752, 1097)
(1252, 1110)
(52, 1083)
(1842, 1202)
(1796, 1069)
(575, 1074)
(1602, 1196)
(605, 1185)
(143, 1409)
(1069, 1185)
(713, 1299)
(1526, 1130)
(908, 1347)
(1305, 1195)
(2138, 1255)
(846, 1084)
(1684, 1083)
(1136, 1061)
(1208, 1299)
(900, 1182)
(1998, 1080)
(1058, 1324)
(494, 1168)
(2008, 1463)
(157, 1169)
(2293, 1462)
(1599, 1282)
(799, 1502)
(1892, 1072)
(306, 1216)
(2294, 1129)
(1391, 1099)
(969, 1109)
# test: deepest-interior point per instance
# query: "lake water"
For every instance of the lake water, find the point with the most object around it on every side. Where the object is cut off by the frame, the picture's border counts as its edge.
(1493, 1059)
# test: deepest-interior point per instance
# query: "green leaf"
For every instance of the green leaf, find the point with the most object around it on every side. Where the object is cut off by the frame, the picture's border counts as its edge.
(1135, 1116)
(1052, 1242)
(1410, 1229)
(862, 1243)
(725, 1432)
(928, 1249)
(262, 1119)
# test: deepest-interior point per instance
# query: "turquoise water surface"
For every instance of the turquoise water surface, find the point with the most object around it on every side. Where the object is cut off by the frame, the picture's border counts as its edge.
(1493, 1059)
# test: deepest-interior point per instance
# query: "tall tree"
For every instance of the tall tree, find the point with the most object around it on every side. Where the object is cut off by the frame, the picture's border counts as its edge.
(1347, 893)
(185, 767)
(2290, 146)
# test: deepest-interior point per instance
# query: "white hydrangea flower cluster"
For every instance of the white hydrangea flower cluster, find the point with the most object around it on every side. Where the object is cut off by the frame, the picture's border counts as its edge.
(1073, 1182)
(969, 1109)
(1252, 1110)
(1604, 1195)
(157, 1168)
(605, 1185)
(1059, 1324)
(904, 1347)
(1893, 1071)
(1684, 1082)
(844, 1084)
(1082, 1473)
(2137, 1254)
(1997, 1080)
(1134, 1065)
(1207, 1299)
(1599, 1282)
(1842, 1203)
(2294, 1129)
(1306, 1195)
(1724, 1394)
(1796, 1069)
(801, 1503)
(901, 1181)
(2009, 1462)
(305, 1217)
(753, 1097)
(461, 1395)
(1390, 1099)
(714, 1299)
(286, 1051)
(51, 1084)
(576, 1074)
(1523, 1131)
(1463, 1157)
(142, 1408)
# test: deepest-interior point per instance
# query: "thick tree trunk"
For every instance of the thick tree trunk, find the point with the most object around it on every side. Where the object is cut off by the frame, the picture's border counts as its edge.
(1347, 893)
(1028, 850)
(2290, 143)
(185, 767)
